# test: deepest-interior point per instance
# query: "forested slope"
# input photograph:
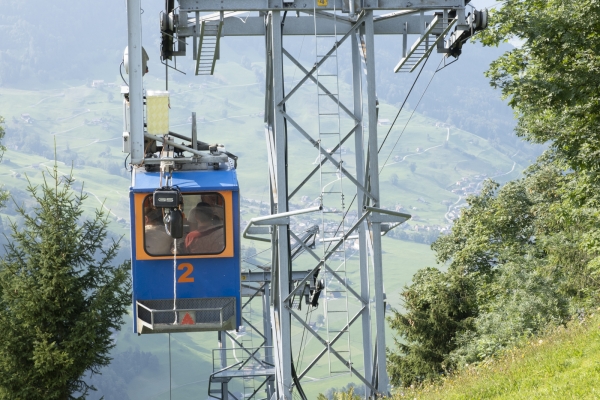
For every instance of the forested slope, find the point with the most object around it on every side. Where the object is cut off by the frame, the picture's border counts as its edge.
(524, 255)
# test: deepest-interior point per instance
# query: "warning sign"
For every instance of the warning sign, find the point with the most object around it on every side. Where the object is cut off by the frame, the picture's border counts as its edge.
(187, 320)
(322, 3)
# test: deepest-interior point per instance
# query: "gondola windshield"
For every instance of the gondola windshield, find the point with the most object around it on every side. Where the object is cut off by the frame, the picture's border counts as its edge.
(204, 226)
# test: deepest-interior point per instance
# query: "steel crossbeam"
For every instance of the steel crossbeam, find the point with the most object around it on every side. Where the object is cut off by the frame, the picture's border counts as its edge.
(299, 5)
(251, 25)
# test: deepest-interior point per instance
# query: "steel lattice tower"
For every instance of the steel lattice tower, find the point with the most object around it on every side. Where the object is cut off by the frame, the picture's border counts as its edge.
(440, 25)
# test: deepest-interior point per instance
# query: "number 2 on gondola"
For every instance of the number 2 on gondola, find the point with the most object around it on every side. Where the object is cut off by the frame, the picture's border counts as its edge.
(185, 277)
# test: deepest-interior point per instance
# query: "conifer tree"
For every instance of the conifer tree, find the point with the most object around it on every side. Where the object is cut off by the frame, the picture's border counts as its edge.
(3, 193)
(61, 298)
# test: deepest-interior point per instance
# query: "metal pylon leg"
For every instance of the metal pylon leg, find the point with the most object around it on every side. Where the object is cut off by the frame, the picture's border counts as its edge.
(282, 348)
(360, 167)
(382, 376)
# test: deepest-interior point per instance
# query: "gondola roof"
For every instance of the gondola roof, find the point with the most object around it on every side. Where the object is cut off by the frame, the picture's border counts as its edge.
(188, 181)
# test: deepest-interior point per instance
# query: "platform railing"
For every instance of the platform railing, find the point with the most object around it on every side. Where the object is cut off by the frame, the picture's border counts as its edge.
(188, 315)
(242, 361)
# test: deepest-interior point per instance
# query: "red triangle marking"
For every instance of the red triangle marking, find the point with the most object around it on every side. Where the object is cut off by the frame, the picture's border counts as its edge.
(187, 320)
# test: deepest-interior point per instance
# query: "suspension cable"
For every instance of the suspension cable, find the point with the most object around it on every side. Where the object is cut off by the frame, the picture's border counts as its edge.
(378, 151)
(403, 103)
(411, 115)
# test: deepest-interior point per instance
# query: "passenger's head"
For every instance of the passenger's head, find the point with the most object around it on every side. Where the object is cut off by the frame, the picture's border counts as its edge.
(210, 199)
(203, 214)
(154, 217)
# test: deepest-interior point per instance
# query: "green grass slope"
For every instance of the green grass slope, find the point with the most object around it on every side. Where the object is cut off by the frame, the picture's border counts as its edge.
(562, 365)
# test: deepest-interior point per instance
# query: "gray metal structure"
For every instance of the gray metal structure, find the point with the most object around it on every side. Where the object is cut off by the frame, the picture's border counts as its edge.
(346, 21)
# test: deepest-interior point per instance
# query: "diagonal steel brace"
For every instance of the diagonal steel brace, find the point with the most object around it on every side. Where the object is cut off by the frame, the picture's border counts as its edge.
(338, 165)
(335, 353)
(323, 161)
(359, 21)
(315, 80)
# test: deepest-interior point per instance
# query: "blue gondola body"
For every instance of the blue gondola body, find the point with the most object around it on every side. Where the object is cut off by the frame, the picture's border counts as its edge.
(203, 285)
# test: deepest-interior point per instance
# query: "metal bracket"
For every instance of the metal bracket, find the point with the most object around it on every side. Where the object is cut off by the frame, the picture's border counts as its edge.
(387, 216)
(255, 230)
(275, 219)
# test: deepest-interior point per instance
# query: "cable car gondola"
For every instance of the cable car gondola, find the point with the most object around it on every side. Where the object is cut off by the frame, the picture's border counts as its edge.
(185, 238)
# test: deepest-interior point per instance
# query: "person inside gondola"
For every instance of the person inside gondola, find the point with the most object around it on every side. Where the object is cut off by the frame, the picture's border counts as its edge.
(157, 240)
(208, 236)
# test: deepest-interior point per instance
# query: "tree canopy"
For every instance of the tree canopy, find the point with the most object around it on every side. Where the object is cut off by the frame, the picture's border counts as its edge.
(61, 300)
(552, 80)
(527, 254)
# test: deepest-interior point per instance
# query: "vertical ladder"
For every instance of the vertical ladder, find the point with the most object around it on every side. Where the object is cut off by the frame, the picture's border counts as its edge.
(248, 343)
(332, 198)
(207, 53)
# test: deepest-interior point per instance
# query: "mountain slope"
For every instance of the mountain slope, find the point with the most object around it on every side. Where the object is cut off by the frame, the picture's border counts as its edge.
(561, 365)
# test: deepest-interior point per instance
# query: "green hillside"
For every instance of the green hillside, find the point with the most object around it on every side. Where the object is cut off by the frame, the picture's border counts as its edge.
(562, 365)
(86, 124)
(428, 174)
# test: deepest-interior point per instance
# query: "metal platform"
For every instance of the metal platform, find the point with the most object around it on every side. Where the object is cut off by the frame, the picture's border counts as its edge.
(253, 365)
(229, 373)
(189, 315)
